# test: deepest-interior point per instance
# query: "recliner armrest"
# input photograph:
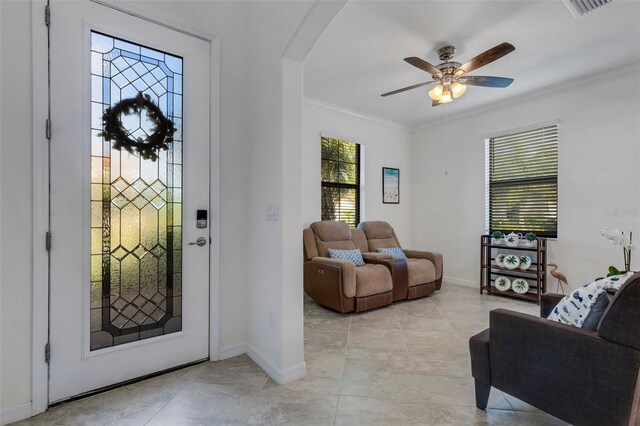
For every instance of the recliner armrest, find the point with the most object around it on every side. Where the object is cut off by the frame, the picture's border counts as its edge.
(548, 302)
(434, 257)
(376, 256)
(563, 370)
(348, 273)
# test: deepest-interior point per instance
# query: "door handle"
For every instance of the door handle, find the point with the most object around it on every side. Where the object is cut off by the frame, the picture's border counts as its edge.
(199, 242)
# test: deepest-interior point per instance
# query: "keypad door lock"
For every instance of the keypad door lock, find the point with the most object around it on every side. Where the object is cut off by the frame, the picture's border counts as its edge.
(201, 219)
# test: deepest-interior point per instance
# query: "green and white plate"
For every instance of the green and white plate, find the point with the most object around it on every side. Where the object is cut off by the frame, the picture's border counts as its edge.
(520, 286)
(525, 262)
(511, 261)
(502, 283)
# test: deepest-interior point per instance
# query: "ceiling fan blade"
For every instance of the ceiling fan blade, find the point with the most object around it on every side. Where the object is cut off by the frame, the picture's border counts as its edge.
(435, 103)
(478, 80)
(487, 57)
(424, 66)
(404, 89)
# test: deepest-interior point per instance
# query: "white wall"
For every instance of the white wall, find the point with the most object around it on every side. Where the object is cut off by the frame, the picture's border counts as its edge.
(16, 205)
(599, 151)
(386, 145)
(272, 26)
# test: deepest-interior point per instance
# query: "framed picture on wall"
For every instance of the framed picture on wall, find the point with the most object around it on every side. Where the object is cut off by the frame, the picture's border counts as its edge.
(390, 185)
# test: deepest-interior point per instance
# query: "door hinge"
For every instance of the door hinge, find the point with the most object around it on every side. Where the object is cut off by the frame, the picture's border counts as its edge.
(47, 243)
(47, 128)
(47, 15)
(47, 352)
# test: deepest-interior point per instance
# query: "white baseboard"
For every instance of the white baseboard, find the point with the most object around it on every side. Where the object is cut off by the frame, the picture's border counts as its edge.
(231, 351)
(15, 413)
(460, 281)
(279, 376)
(293, 373)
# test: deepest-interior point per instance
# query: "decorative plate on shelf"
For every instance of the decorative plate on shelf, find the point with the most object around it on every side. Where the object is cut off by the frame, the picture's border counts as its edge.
(511, 261)
(502, 283)
(520, 286)
(500, 260)
(525, 262)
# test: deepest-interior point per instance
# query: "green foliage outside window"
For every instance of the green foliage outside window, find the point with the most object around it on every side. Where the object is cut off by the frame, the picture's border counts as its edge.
(340, 176)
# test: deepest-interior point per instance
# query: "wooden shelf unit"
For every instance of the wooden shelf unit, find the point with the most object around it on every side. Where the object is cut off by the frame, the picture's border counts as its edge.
(537, 271)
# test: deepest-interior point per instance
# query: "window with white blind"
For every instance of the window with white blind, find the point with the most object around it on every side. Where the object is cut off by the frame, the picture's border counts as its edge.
(341, 180)
(522, 182)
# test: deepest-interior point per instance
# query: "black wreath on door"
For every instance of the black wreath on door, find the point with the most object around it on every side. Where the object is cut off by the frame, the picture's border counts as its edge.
(162, 130)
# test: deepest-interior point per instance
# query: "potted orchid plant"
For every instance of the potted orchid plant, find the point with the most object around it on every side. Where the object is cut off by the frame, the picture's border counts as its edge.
(617, 237)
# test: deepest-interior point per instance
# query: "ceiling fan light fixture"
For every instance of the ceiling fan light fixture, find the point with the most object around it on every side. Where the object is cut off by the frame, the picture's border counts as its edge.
(436, 92)
(458, 89)
(446, 96)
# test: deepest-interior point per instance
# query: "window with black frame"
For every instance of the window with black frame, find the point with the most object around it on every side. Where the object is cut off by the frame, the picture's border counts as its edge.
(340, 177)
(522, 182)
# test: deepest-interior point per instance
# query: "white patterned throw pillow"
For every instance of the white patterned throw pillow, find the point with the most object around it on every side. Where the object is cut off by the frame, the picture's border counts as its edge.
(395, 252)
(584, 306)
(354, 256)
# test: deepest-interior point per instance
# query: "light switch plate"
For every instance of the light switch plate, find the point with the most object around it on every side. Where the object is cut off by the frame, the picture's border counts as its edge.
(273, 211)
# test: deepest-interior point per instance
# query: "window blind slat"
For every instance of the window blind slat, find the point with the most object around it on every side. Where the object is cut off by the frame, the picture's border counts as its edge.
(522, 182)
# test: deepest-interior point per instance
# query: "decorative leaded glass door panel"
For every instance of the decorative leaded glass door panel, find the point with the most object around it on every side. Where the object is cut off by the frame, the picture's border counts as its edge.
(129, 169)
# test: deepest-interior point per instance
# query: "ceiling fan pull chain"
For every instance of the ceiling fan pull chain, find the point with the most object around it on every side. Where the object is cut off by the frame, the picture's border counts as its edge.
(446, 138)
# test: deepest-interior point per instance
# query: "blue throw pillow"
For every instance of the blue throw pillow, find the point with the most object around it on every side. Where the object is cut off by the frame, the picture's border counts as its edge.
(395, 252)
(354, 256)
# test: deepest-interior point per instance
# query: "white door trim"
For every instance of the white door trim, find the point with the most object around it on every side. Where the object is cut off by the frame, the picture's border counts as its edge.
(40, 269)
(40, 372)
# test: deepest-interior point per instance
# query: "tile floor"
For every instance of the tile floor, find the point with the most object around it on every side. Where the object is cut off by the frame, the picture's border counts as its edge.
(406, 364)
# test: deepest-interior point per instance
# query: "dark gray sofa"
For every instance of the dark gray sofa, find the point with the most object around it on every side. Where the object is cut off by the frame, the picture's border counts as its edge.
(583, 377)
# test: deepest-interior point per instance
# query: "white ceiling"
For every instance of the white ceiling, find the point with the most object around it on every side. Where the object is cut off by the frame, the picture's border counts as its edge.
(361, 54)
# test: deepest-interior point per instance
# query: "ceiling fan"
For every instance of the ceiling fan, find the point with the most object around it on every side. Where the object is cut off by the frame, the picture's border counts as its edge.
(450, 77)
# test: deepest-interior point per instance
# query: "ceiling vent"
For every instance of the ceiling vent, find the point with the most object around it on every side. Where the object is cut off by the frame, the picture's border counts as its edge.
(582, 7)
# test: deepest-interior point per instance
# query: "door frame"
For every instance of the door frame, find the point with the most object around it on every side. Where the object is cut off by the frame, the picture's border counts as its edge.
(40, 184)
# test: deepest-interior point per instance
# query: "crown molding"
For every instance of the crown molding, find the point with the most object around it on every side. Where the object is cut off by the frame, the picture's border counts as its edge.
(356, 114)
(555, 89)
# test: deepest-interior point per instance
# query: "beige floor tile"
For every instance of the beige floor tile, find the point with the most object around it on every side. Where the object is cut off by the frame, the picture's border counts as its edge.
(372, 411)
(437, 362)
(326, 340)
(52, 415)
(278, 406)
(207, 404)
(376, 340)
(240, 370)
(325, 320)
(424, 340)
(383, 318)
(411, 310)
(120, 406)
(540, 419)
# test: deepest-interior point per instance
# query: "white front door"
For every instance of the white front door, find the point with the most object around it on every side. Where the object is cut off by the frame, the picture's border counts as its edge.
(129, 293)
